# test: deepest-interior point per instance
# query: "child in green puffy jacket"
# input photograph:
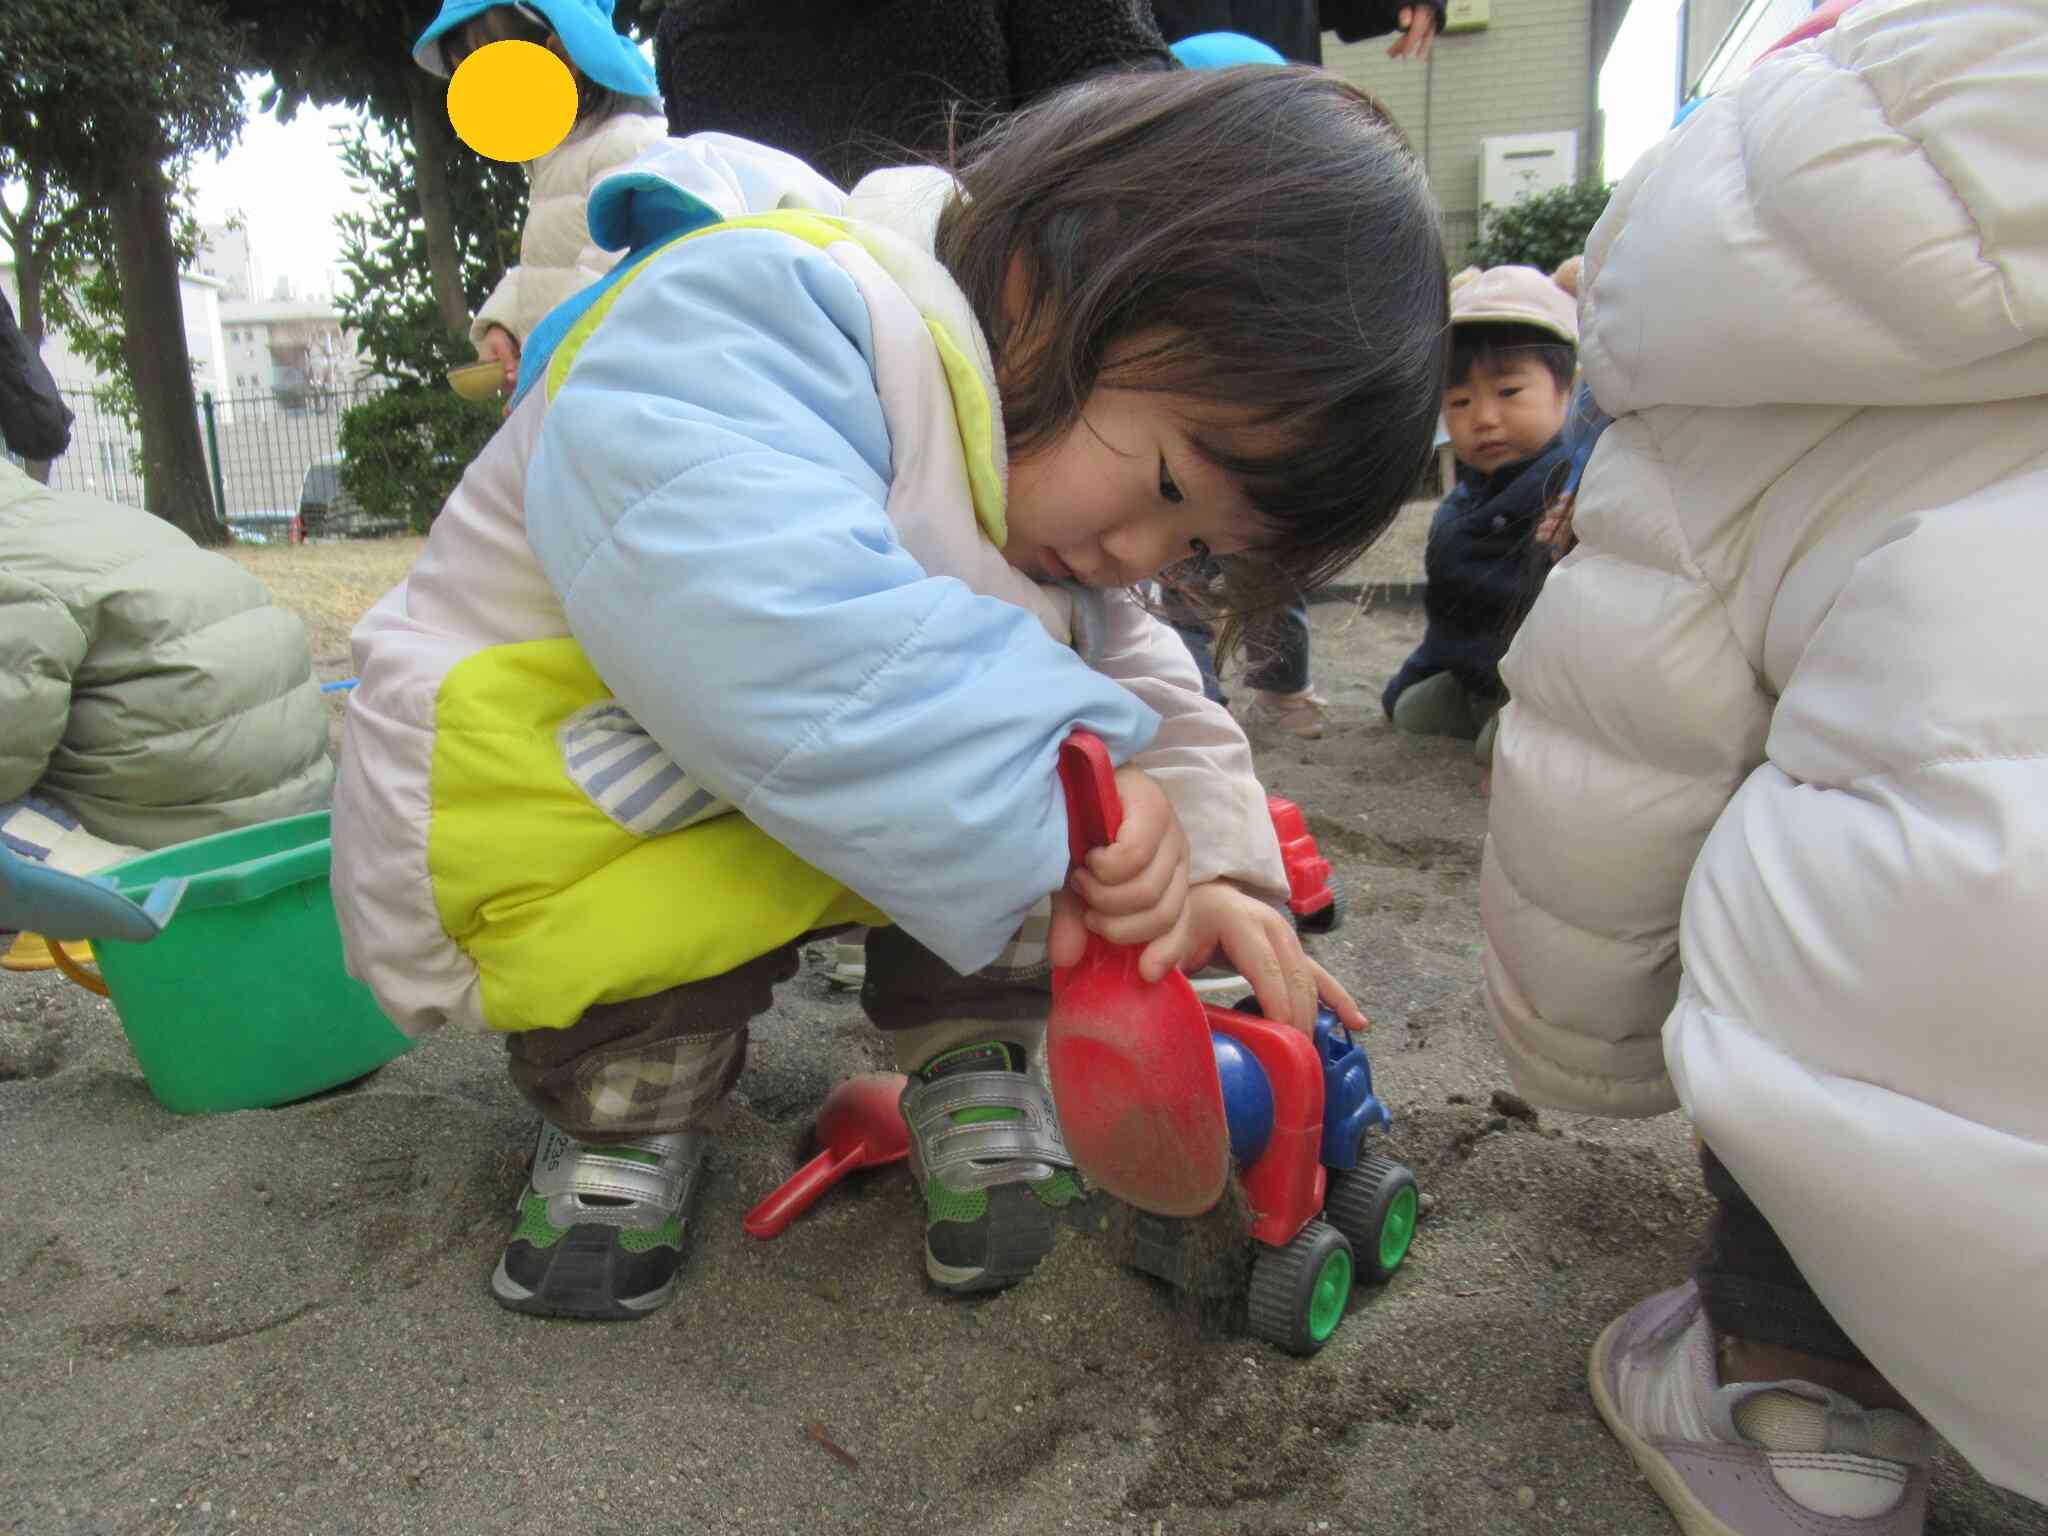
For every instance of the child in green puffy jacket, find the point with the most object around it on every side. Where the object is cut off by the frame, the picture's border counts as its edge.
(153, 692)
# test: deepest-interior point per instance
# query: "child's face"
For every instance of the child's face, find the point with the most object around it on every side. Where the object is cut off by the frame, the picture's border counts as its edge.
(1504, 411)
(1122, 495)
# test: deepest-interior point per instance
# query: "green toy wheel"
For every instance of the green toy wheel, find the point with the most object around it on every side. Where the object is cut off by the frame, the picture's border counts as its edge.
(1375, 1205)
(1298, 1292)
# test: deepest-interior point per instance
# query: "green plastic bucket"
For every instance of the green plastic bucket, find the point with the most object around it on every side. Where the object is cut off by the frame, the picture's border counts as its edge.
(242, 1002)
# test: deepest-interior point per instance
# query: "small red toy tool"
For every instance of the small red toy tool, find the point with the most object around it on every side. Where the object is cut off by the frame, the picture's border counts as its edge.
(1130, 1061)
(859, 1126)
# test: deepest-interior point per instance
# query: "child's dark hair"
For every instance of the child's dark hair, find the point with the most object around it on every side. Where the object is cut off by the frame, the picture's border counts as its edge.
(518, 23)
(1268, 240)
(1484, 344)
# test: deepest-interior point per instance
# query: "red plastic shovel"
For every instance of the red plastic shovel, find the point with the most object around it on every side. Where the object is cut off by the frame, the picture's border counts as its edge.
(859, 1126)
(1132, 1067)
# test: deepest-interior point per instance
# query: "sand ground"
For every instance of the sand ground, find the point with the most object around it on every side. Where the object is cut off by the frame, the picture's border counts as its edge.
(276, 1321)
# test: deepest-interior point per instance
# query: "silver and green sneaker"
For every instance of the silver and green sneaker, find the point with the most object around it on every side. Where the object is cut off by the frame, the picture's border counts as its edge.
(602, 1229)
(986, 1151)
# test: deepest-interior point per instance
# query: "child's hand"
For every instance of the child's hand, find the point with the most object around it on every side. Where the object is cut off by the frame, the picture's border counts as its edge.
(500, 346)
(1417, 24)
(1263, 947)
(1135, 890)
(1554, 531)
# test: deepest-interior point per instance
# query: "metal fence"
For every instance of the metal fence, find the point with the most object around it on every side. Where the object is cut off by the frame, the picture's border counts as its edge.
(258, 449)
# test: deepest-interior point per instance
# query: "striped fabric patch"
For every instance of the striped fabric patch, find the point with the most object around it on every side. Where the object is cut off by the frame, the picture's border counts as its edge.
(1024, 958)
(32, 825)
(627, 775)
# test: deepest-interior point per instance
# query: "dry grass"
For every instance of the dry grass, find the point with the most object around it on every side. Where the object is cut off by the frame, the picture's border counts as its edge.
(330, 586)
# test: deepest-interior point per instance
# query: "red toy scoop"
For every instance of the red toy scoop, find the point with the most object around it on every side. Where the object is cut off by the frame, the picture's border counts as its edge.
(1131, 1064)
(859, 1126)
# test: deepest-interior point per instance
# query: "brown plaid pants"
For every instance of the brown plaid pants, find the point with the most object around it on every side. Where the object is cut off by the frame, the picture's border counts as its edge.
(664, 1063)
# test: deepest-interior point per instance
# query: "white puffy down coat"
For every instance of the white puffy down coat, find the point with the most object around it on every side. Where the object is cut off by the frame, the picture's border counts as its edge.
(556, 254)
(1770, 820)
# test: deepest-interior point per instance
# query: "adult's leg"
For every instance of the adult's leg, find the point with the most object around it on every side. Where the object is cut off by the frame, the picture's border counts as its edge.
(1200, 640)
(1180, 607)
(1276, 649)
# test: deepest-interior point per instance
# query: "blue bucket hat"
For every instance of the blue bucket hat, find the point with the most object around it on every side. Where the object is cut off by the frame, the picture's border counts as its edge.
(1223, 50)
(584, 26)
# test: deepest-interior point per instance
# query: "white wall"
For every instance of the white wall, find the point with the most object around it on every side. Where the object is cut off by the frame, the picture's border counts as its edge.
(1639, 84)
(1526, 72)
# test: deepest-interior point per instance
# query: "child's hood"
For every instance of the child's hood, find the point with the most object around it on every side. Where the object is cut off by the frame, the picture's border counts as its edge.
(1861, 220)
(672, 188)
(680, 185)
(677, 185)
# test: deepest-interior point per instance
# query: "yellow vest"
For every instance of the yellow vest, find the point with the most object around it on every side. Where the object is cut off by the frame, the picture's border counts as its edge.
(591, 912)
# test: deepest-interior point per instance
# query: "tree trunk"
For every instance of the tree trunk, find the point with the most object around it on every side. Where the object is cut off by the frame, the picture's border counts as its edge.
(28, 282)
(175, 483)
(26, 234)
(432, 144)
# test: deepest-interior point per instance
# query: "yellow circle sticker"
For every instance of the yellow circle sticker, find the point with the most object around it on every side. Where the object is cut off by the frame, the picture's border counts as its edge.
(512, 101)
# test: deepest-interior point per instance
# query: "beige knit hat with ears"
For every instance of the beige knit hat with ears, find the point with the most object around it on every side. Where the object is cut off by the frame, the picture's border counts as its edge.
(1567, 275)
(1514, 296)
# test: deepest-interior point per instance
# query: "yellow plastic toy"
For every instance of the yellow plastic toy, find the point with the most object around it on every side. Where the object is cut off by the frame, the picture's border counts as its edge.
(32, 952)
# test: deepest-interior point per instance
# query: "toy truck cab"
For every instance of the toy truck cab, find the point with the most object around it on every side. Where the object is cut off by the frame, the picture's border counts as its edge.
(1299, 1109)
(1313, 895)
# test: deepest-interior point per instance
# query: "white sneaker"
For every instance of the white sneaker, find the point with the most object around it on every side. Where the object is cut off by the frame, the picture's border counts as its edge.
(849, 960)
(1774, 1458)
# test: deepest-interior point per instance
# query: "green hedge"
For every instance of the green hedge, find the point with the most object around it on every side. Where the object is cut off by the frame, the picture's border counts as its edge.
(403, 452)
(1541, 230)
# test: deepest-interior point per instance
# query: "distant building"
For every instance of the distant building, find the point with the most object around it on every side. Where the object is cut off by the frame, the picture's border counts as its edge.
(1503, 105)
(224, 254)
(102, 456)
(1671, 52)
(276, 375)
(288, 354)
(1722, 38)
(198, 295)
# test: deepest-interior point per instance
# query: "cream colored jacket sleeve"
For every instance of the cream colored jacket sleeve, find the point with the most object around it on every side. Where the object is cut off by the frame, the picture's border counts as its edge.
(1200, 756)
(556, 254)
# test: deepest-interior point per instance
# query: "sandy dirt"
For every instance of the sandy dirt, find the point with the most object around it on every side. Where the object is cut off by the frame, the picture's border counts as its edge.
(276, 1321)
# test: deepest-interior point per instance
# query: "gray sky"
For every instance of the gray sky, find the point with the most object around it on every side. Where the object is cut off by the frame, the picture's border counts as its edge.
(289, 185)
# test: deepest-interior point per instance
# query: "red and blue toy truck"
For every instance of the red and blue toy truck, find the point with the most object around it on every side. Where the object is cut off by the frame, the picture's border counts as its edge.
(1324, 1211)
(1313, 895)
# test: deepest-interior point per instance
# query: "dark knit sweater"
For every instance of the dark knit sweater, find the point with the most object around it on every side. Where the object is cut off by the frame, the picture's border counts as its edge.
(1483, 571)
(1293, 28)
(850, 85)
